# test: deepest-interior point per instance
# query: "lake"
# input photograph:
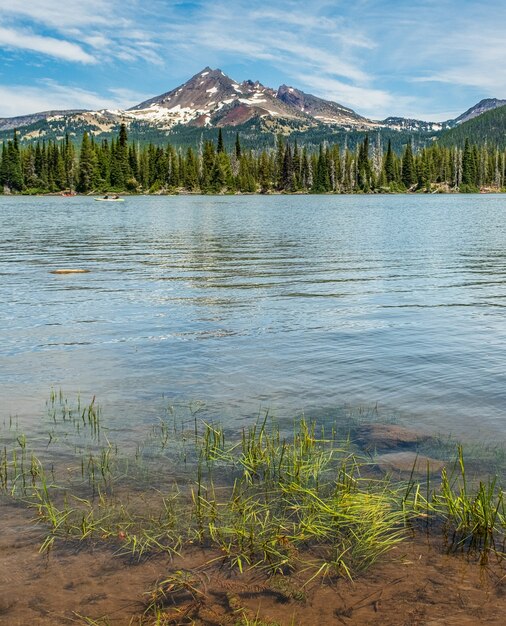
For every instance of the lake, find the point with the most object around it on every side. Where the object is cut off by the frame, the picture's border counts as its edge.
(313, 304)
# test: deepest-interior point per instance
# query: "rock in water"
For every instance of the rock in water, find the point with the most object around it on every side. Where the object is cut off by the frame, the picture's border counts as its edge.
(407, 461)
(388, 437)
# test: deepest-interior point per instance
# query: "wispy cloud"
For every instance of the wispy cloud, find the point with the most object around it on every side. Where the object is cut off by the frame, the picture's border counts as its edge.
(49, 95)
(101, 30)
(459, 43)
(481, 61)
(372, 102)
(315, 47)
(61, 15)
(380, 57)
(58, 48)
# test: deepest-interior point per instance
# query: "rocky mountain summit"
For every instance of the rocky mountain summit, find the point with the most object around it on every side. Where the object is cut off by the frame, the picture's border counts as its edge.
(212, 99)
(482, 107)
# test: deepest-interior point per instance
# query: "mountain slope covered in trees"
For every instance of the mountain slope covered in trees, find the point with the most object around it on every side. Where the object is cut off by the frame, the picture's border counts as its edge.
(189, 115)
(210, 99)
(488, 128)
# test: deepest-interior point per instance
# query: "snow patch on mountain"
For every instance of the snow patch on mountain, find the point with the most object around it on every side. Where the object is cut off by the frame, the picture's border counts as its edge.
(210, 98)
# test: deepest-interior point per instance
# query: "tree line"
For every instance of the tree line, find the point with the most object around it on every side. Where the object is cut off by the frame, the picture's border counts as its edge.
(122, 166)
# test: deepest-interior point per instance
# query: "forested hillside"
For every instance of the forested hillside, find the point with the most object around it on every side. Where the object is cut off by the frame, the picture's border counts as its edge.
(488, 128)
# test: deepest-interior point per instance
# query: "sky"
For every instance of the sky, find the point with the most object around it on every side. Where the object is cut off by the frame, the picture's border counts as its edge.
(428, 60)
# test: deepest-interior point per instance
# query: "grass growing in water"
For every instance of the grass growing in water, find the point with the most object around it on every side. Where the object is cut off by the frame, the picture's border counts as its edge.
(293, 497)
(275, 502)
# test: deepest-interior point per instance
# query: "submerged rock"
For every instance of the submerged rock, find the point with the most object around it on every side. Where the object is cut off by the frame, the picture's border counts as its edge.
(406, 461)
(69, 271)
(388, 437)
(6, 604)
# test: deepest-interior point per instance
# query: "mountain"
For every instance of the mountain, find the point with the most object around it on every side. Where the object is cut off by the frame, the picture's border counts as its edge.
(323, 111)
(208, 99)
(489, 104)
(211, 99)
(410, 125)
(9, 123)
(485, 128)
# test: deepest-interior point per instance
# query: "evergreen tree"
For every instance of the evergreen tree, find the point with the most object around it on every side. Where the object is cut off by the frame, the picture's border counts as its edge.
(469, 173)
(87, 176)
(280, 159)
(409, 177)
(264, 173)
(12, 172)
(221, 148)
(323, 168)
(389, 164)
(191, 178)
(237, 147)
(287, 170)
(364, 170)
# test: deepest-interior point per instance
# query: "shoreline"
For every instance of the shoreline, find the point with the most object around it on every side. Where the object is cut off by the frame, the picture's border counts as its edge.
(252, 194)
(261, 530)
(418, 584)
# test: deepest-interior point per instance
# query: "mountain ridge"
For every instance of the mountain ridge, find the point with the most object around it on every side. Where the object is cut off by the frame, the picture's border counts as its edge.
(487, 104)
(211, 99)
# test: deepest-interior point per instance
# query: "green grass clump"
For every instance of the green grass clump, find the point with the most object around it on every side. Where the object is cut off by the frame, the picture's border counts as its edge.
(292, 498)
(475, 516)
(278, 502)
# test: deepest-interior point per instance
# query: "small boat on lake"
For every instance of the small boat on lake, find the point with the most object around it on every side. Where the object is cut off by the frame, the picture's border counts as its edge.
(110, 199)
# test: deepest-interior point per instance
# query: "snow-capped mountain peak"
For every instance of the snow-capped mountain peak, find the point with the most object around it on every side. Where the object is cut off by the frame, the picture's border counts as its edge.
(211, 98)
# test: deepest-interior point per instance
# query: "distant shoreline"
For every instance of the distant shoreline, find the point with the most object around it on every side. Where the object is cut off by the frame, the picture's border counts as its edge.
(249, 194)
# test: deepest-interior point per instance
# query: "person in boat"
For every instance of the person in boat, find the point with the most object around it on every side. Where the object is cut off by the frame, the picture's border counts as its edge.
(106, 197)
(116, 197)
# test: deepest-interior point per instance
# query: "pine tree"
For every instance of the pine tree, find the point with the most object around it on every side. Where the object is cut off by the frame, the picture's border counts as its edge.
(364, 170)
(191, 178)
(469, 173)
(264, 173)
(208, 159)
(280, 159)
(389, 164)
(13, 173)
(87, 166)
(408, 176)
(69, 160)
(296, 168)
(287, 170)
(221, 148)
(237, 147)
(221, 173)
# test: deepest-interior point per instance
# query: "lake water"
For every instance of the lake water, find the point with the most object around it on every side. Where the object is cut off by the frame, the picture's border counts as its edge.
(292, 303)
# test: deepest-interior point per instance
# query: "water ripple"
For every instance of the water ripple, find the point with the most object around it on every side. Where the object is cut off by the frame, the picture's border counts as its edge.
(292, 302)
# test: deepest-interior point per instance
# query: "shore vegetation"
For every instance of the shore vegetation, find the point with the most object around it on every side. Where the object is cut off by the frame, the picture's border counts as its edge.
(295, 505)
(120, 166)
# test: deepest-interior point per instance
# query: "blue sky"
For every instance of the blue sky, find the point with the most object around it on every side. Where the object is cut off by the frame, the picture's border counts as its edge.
(430, 60)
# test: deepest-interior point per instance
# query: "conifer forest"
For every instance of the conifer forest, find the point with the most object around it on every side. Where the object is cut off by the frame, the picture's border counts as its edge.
(119, 165)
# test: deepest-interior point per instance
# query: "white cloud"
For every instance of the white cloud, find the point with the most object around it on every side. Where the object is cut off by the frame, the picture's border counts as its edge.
(58, 48)
(460, 44)
(70, 13)
(98, 41)
(289, 37)
(108, 29)
(481, 62)
(52, 96)
(367, 101)
(395, 58)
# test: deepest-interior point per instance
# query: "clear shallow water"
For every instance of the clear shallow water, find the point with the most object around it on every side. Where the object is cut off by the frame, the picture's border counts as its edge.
(289, 303)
